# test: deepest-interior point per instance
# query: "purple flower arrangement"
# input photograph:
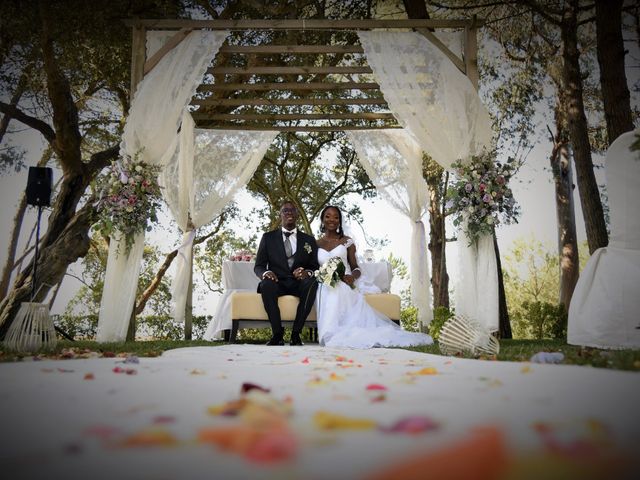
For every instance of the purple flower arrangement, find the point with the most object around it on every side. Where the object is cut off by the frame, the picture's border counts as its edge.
(480, 194)
(129, 196)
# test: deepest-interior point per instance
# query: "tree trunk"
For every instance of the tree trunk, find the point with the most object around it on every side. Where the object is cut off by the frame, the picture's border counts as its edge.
(578, 131)
(567, 239)
(433, 174)
(613, 80)
(504, 322)
(53, 261)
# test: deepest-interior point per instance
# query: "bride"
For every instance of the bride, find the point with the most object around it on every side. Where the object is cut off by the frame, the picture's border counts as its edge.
(345, 319)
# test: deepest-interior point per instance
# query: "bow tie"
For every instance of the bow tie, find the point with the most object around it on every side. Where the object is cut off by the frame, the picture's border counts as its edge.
(287, 234)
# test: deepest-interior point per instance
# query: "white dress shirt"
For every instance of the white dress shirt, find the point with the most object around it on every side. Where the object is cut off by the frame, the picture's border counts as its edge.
(293, 238)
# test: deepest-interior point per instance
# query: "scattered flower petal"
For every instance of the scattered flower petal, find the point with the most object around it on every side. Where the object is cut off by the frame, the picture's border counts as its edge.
(376, 386)
(150, 438)
(164, 419)
(425, 371)
(247, 387)
(412, 425)
(330, 421)
(89, 376)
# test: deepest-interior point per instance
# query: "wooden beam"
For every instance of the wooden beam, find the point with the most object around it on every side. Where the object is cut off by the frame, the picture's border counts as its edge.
(291, 116)
(300, 24)
(173, 42)
(289, 86)
(471, 55)
(274, 49)
(138, 54)
(288, 70)
(457, 61)
(236, 102)
(324, 128)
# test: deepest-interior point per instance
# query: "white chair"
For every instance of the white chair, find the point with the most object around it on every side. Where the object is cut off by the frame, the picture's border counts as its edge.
(605, 307)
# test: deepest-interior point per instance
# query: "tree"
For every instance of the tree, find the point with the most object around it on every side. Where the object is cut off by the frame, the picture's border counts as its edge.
(613, 79)
(561, 168)
(85, 305)
(531, 283)
(75, 52)
(437, 181)
(312, 171)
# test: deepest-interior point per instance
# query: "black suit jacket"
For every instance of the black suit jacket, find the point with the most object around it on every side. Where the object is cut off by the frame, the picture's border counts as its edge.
(271, 254)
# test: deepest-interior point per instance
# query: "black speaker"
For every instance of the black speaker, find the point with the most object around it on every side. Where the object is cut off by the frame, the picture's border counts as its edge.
(39, 186)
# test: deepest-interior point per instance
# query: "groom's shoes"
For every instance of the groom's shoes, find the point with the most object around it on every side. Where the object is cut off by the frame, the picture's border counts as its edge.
(295, 340)
(276, 341)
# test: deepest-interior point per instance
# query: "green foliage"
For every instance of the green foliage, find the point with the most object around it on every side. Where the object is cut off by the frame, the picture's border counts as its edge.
(311, 170)
(149, 327)
(86, 302)
(208, 257)
(409, 319)
(440, 316)
(542, 320)
(79, 327)
(163, 327)
(532, 284)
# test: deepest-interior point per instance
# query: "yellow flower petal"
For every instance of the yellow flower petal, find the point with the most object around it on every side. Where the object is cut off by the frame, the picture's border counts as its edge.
(330, 421)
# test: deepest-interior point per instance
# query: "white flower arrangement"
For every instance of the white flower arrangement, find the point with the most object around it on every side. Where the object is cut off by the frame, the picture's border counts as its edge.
(331, 272)
(307, 248)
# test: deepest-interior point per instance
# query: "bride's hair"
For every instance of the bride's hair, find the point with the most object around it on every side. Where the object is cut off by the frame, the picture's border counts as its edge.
(340, 230)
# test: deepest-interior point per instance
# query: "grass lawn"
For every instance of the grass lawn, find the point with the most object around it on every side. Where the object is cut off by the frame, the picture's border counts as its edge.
(510, 350)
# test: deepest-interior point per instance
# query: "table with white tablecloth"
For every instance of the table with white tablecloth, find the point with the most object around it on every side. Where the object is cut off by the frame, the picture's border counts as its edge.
(238, 276)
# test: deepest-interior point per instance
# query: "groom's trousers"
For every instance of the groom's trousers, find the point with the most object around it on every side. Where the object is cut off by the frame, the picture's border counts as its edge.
(305, 290)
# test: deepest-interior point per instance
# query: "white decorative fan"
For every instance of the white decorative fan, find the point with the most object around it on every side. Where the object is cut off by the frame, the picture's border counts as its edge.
(461, 335)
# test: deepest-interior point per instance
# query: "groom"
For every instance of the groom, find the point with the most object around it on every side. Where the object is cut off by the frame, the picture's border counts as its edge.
(285, 263)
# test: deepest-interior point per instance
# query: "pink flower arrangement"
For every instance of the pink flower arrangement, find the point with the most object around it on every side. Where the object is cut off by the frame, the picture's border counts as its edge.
(129, 196)
(242, 256)
(479, 197)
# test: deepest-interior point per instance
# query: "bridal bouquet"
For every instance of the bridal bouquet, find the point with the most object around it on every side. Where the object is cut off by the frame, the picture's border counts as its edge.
(331, 272)
(480, 194)
(129, 196)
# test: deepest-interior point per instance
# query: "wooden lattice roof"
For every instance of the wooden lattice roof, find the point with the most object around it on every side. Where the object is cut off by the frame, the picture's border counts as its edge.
(293, 75)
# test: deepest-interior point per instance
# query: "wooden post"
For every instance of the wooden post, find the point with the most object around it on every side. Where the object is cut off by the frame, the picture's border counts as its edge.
(138, 54)
(471, 52)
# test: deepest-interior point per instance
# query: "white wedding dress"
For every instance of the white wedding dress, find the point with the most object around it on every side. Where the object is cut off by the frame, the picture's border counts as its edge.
(345, 319)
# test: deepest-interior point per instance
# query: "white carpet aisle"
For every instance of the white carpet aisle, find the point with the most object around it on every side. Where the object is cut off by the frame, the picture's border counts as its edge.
(330, 414)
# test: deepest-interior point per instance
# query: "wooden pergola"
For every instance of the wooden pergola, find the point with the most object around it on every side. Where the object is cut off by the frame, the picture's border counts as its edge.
(237, 94)
(321, 94)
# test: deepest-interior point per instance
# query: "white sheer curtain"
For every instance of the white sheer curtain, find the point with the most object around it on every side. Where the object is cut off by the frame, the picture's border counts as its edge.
(210, 166)
(151, 131)
(428, 94)
(441, 108)
(393, 161)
